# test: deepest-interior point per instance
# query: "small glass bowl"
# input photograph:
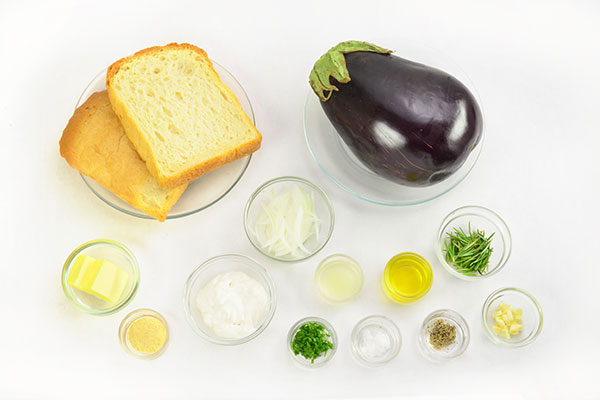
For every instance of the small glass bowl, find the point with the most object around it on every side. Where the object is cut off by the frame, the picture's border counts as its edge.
(532, 320)
(353, 268)
(130, 319)
(385, 329)
(480, 218)
(321, 361)
(216, 266)
(111, 251)
(459, 346)
(322, 206)
(419, 265)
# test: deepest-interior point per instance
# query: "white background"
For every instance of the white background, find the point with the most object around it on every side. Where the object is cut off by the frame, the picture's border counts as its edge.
(536, 66)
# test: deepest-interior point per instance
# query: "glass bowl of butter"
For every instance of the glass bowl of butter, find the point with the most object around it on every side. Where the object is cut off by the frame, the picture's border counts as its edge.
(100, 277)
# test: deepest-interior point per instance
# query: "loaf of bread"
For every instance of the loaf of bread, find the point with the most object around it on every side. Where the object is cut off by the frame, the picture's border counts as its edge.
(182, 120)
(95, 144)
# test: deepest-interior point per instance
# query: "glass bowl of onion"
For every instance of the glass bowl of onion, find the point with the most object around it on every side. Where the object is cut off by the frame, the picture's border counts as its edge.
(289, 219)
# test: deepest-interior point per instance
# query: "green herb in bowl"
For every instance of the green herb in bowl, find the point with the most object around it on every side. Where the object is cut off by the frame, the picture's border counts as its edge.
(312, 341)
(469, 252)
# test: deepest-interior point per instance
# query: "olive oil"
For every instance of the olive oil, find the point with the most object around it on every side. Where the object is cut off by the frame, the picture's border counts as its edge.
(339, 278)
(407, 277)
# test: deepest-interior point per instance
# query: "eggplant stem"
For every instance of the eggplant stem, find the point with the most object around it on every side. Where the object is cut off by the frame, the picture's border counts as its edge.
(333, 64)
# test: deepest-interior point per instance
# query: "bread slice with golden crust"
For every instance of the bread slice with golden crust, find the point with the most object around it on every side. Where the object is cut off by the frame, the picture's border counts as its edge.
(95, 144)
(181, 118)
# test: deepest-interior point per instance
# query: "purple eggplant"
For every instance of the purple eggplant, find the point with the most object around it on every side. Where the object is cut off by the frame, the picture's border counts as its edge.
(407, 122)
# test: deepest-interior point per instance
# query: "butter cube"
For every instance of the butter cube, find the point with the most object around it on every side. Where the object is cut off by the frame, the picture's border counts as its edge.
(110, 282)
(83, 272)
(100, 278)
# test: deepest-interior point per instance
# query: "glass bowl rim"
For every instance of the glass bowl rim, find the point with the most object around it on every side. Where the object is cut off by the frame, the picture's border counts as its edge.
(118, 306)
(142, 215)
(492, 336)
(456, 318)
(478, 211)
(281, 179)
(386, 273)
(252, 264)
(292, 334)
(130, 319)
(393, 329)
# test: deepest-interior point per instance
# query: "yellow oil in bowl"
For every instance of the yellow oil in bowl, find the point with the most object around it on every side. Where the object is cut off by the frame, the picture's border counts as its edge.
(407, 278)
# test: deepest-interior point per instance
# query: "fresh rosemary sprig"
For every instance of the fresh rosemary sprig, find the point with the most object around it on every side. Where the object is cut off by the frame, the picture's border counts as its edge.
(469, 252)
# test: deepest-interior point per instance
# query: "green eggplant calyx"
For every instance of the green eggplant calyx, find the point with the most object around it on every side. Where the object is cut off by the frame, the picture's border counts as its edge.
(333, 64)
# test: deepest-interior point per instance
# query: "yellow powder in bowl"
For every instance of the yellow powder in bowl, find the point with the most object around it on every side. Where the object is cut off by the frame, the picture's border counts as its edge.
(147, 335)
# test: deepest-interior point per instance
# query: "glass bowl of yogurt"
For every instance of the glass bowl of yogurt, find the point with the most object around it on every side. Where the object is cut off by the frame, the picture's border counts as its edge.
(229, 299)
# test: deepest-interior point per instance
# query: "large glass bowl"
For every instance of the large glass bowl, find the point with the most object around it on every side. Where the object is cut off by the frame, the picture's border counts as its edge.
(341, 165)
(200, 193)
(216, 266)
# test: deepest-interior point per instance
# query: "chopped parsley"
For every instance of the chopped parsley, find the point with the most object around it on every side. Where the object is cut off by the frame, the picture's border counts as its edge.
(312, 341)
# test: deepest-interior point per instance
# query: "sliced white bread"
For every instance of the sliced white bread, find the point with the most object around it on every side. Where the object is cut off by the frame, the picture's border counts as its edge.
(182, 120)
(95, 144)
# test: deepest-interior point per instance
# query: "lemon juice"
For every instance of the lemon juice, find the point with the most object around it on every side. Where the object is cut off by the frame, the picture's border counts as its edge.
(407, 277)
(339, 278)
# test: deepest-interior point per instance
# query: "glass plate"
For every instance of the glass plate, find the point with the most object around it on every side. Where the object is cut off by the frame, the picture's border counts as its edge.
(200, 193)
(341, 165)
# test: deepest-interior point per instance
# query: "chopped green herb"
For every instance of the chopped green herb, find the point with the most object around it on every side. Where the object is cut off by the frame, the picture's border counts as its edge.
(469, 252)
(312, 341)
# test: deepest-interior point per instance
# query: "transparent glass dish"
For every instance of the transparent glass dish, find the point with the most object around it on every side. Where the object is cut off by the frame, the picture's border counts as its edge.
(463, 336)
(419, 270)
(348, 285)
(348, 172)
(479, 218)
(130, 319)
(117, 254)
(322, 208)
(320, 361)
(532, 318)
(375, 327)
(216, 266)
(200, 193)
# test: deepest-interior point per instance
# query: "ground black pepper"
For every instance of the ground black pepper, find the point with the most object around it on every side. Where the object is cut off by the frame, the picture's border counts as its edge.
(441, 334)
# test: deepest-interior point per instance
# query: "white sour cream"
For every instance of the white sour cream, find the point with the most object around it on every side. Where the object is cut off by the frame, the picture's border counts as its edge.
(232, 304)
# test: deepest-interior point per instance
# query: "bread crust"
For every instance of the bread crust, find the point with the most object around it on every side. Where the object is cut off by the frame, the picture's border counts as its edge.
(95, 144)
(143, 146)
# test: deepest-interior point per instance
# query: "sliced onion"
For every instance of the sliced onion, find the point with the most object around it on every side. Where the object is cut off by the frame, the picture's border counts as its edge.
(287, 221)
